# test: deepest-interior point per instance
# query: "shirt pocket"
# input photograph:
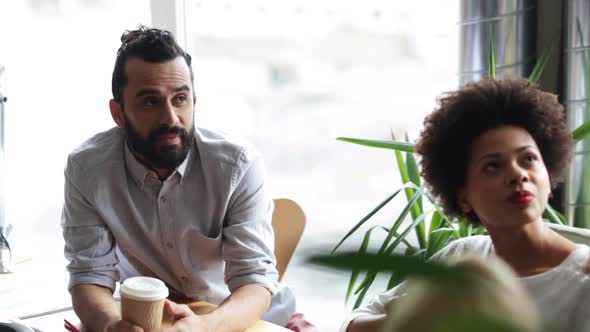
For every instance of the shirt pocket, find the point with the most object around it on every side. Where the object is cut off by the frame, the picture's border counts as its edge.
(205, 252)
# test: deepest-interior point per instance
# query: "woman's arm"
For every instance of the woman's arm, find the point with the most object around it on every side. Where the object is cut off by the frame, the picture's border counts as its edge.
(366, 323)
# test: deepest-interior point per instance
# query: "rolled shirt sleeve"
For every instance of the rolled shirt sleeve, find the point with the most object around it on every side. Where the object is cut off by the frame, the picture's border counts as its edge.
(248, 238)
(89, 244)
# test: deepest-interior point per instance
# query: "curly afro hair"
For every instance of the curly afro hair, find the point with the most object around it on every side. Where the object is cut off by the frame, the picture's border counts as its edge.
(465, 114)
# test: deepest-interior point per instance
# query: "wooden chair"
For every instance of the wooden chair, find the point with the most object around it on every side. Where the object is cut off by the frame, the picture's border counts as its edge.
(288, 222)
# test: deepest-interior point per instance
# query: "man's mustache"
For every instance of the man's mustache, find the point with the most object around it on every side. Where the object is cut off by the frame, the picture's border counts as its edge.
(166, 130)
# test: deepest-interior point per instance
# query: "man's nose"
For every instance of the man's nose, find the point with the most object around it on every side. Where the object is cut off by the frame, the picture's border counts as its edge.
(169, 115)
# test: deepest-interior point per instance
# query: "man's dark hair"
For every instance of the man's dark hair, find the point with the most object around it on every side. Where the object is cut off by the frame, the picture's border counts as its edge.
(148, 44)
(463, 115)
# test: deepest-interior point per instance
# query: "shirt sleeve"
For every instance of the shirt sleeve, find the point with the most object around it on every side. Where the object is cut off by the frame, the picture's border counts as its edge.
(248, 237)
(89, 244)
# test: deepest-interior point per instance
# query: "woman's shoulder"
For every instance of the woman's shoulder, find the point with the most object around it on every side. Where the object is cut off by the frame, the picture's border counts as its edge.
(475, 245)
(579, 260)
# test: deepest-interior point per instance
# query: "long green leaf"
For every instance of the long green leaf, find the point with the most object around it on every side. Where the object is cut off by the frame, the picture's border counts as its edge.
(384, 249)
(581, 132)
(415, 210)
(559, 215)
(359, 299)
(413, 173)
(480, 231)
(367, 281)
(463, 228)
(404, 241)
(542, 61)
(395, 279)
(399, 221)
(403, 264)
(446, 222)
(402, 235)
(367, 217)
(553, 216)
(492, 55)
(435, 223)
(362, 250)
(355, 272)
(438, 240)
(392, 145)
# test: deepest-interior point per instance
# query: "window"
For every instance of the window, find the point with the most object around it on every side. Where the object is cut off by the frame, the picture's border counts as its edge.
(59, 56)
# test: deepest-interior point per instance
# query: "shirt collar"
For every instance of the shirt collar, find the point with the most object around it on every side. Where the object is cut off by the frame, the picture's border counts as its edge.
(140, 172)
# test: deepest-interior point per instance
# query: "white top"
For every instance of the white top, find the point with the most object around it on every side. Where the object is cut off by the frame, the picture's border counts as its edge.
(562, 294)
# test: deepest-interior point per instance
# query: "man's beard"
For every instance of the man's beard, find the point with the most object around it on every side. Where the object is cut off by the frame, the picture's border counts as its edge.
(164, 156)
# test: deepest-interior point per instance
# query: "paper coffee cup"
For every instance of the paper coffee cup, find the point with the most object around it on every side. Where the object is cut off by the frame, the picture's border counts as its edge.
(142, 301)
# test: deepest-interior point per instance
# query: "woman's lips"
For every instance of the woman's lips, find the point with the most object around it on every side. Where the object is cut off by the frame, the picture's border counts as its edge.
(520, 197)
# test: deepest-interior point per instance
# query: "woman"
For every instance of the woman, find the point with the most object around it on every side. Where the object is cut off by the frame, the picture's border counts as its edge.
(491, 153)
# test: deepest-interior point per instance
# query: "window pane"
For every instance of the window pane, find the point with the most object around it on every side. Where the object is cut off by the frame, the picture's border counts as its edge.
(59, 56)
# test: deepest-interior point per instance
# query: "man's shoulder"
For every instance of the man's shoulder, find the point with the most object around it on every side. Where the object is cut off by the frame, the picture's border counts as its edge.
(104, 147)
(217, 147)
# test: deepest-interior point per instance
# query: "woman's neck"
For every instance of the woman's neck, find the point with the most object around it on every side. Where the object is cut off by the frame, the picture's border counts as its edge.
(531, 248)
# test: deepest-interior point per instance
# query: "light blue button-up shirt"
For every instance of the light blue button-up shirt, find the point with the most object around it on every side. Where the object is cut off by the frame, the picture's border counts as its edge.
(205, 230)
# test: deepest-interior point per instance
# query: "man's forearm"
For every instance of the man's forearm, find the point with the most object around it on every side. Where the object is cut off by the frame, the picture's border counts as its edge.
(95, 306)
(240, 310)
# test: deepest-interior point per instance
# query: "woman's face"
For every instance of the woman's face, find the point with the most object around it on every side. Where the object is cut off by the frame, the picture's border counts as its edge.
(507, 182)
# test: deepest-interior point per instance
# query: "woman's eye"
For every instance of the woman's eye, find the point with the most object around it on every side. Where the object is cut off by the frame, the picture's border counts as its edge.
(531, 158)
(491, 167)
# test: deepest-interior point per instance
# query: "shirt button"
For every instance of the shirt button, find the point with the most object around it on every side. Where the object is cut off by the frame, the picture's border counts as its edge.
(170, 245)
(163, 199)
(185, 279)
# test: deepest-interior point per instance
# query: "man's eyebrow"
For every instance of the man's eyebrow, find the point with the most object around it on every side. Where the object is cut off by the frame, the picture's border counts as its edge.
(144, 92)
(182, 88)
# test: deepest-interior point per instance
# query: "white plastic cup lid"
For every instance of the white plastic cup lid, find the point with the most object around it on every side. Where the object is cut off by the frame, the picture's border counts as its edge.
(144, 289)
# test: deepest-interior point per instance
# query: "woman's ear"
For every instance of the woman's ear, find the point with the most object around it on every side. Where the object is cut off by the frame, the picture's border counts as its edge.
(117, 113)
(464, 204)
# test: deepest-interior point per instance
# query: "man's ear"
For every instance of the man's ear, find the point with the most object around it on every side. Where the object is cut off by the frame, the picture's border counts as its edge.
(117, 113)
(464, 204)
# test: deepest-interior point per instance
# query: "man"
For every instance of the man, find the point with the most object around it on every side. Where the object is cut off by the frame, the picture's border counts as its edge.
(157, 197)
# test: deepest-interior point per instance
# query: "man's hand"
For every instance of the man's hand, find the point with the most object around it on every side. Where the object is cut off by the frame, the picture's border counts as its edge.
(238, 312)
(182, 317)
(122, 326)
